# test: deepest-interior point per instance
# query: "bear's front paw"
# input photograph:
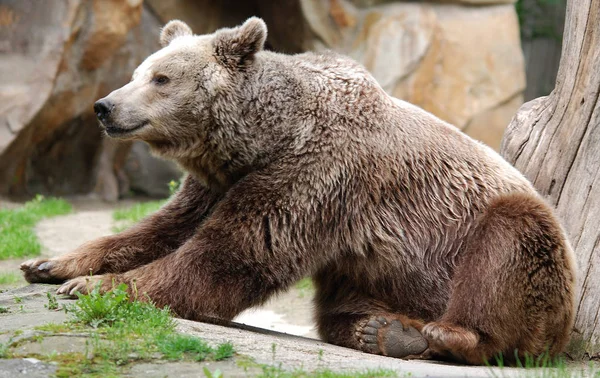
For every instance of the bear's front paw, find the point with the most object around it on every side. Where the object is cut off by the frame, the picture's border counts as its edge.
(85, 285)
(44, 271)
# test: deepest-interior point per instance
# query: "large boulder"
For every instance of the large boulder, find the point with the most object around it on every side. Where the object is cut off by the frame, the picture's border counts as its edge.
(462, 63)
(148, 176)
(56, 59)
(370, 3)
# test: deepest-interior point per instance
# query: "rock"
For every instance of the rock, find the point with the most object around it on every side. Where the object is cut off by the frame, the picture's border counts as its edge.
(112, 182)
(294, 352)
(56, 59)
(60, 344)
(205, 16)
(458, 82)
(370, 3)
(423, 53)
(149, 175)
(26, 309)
(112, 20)
(228, 369)
(489, 125)
(26, 367)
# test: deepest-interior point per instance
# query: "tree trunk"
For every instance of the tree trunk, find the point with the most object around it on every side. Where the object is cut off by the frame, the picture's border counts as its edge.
(555, 142)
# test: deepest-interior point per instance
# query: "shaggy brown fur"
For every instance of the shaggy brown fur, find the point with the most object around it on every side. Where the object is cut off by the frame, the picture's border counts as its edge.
(416, 236)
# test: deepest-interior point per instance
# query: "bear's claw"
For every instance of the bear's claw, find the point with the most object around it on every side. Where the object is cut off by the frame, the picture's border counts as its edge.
(82, 285)
(40, 271)
(390, 337)
(45, 266)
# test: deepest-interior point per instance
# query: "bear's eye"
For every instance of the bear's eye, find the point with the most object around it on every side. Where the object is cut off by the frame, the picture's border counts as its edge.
(160, 80)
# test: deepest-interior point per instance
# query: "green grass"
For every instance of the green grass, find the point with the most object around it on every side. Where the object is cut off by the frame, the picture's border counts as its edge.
(3, 350)
(138, 211)
(127, 217)
(52, 302)
(305, 287)
(275, 369)
(544, 366)
(277, 372)
(177, 347)
(16, 226)
(10, 278)
(122, 332)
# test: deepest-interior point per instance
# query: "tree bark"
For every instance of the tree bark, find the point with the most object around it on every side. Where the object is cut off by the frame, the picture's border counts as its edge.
(555, 142)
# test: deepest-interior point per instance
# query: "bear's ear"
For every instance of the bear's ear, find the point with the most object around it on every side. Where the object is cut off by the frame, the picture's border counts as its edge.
(236, 47)
(172, 30)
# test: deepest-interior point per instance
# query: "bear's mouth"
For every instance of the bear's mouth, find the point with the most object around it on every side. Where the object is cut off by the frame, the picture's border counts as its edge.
(116, 131)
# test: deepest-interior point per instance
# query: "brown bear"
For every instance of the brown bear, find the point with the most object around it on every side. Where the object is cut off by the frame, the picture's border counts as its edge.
(421, 242)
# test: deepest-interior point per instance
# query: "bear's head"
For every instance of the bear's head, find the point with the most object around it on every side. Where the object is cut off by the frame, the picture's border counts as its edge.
(174, 96)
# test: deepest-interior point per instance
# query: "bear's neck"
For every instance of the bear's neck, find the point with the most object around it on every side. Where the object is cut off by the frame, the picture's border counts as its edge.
(245, 136)
(215, 175)
(252, 126)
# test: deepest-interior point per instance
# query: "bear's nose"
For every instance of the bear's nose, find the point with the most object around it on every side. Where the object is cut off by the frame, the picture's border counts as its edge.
(103, 108)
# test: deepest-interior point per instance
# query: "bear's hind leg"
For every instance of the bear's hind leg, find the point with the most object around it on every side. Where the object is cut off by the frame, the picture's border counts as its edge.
(348, 319)
(512, 291)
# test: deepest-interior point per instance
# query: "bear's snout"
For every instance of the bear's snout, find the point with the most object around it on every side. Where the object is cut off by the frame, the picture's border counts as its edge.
(103, 108)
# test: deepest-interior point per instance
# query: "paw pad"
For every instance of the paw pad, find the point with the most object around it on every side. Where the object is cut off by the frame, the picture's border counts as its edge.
(380, 335)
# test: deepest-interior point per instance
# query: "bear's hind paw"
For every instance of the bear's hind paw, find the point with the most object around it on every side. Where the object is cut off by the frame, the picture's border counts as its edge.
(389, 337)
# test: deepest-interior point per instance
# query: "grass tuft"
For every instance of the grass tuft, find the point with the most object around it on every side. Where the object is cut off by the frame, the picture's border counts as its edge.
(138, 211)
(224, 351)
(122, 331)
(174, 346)
(4, 350)
(55, 327)
(52, 302)
(16, 226)
(542, 366)
(278, 372)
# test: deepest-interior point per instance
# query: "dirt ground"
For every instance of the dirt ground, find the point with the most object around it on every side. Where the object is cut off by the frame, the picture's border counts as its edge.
(290, 312)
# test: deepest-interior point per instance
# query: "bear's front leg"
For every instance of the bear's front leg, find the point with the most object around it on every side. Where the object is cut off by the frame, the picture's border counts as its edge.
(85, 260)
(154, 237)
(244, 252)
(211, 275)
(195, 281)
